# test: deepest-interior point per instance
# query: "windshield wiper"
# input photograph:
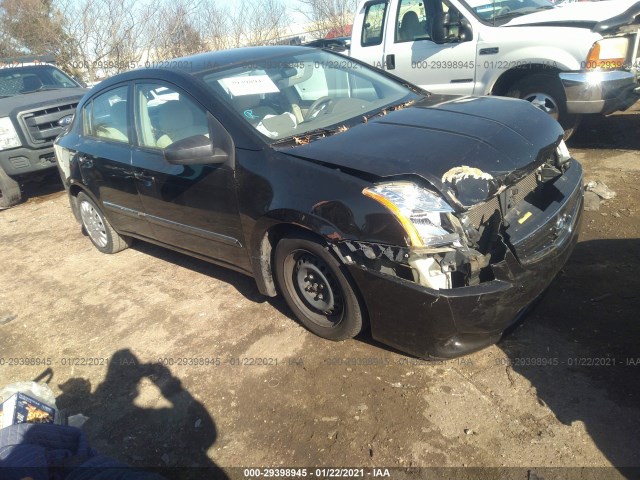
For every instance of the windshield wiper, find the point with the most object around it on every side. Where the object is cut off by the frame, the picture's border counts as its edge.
(306, 137)
(391, 108)
(40, 90)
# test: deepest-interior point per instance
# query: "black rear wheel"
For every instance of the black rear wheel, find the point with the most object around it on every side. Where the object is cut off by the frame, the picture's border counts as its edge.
(97, 227)
(316, 288)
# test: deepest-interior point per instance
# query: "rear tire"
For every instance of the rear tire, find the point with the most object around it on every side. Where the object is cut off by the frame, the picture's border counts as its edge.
(317, 288)
(546, 92)
(98, 228)
(10, 194)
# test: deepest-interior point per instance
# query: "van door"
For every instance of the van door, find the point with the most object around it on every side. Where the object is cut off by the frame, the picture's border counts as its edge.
(431, 44)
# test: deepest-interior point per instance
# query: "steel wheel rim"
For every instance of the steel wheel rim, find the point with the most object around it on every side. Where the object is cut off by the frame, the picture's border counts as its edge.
(545, 103)
(315, 289)
(93, 224)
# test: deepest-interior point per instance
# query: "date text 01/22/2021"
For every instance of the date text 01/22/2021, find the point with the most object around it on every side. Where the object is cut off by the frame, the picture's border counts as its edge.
(326, 472)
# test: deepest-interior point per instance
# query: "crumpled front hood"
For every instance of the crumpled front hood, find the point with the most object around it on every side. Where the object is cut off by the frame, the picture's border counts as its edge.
(496, 139)
(579, 13)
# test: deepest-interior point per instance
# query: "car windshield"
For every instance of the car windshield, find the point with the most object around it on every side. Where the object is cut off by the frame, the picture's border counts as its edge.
(293, 95)
(19, 80)
(501, 11)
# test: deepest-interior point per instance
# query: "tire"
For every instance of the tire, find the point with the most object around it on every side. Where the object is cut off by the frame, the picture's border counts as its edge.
(317, 288)
(98, 228)
(10, 194)
(546, 93)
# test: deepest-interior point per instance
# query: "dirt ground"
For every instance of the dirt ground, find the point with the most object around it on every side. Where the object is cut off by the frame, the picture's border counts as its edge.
(152, 346)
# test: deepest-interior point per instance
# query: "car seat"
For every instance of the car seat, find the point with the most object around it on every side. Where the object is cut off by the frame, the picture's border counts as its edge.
(177, 120)
(410, 27)
(115, 127)
(31, 83)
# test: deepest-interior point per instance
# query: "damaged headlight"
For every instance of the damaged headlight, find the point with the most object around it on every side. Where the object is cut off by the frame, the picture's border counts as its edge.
(562, 154)
(422, 213)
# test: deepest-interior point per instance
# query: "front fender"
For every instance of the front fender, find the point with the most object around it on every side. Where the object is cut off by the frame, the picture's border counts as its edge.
(492, 69)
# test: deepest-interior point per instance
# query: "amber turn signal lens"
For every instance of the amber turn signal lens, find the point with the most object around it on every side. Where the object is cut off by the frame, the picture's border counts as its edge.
(595, 62)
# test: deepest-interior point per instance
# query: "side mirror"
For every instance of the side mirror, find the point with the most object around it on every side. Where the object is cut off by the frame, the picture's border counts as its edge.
(444, 23)
(439, 31)
(196, 150)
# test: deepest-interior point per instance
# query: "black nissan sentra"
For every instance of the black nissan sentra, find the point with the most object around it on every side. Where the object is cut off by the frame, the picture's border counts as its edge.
(364, 201)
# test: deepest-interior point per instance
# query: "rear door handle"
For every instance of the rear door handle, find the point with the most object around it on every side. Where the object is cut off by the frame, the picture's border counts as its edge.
(85, 161)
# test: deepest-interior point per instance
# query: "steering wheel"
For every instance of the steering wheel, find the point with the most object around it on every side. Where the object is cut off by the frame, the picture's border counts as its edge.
(317, 106)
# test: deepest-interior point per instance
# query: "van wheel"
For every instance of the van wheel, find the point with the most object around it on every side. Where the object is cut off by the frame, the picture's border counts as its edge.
(316, 288)
(9, 191)
(100, 231)
(546, 93)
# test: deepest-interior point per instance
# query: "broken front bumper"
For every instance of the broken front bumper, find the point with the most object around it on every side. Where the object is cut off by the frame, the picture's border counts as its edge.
(600, 92)
(451, 322)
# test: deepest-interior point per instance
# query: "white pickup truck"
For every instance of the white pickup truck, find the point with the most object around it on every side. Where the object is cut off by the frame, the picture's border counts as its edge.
(569, 60)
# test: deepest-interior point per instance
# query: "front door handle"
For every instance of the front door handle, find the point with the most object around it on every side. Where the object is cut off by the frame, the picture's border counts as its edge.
(146, 179)
(390, 61)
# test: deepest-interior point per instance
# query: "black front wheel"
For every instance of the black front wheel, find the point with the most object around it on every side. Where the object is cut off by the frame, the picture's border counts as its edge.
(316, 288)
(546, 92)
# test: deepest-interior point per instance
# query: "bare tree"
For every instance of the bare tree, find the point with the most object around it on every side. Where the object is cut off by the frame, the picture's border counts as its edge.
(212, 22)
(104, 37)
(258, 22)
(109, 36)
(33, 27)
(177, 29)
(329, 15)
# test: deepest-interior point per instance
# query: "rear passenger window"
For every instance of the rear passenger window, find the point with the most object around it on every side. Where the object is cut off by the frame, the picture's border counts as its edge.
(373, 28)
(106, 116)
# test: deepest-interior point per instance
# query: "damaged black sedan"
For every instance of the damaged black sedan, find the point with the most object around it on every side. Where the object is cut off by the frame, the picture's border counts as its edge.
(433, 220)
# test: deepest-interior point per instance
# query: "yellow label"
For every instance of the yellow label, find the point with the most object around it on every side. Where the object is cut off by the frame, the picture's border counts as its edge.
(524, 218)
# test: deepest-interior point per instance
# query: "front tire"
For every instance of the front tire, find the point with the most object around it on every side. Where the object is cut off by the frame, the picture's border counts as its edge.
(10, 194)
(316, 288)
(98, 228)
(546, 93)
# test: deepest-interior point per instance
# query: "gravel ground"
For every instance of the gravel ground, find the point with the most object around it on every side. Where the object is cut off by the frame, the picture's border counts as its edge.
(149, 344)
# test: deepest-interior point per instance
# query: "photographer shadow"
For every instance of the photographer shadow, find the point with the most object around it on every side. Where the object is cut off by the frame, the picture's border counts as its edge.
(171, 438)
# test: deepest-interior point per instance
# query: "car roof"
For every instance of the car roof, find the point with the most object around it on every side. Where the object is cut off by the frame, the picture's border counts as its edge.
(201, 62)
(225, 58)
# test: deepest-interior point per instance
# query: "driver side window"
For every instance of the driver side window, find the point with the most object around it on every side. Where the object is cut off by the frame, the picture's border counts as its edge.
(164, 116)
(413, 21)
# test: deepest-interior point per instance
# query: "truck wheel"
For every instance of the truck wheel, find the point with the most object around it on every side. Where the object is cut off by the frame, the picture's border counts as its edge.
(316, 289)
(546, 93)
(100, 231)
(9, 191)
